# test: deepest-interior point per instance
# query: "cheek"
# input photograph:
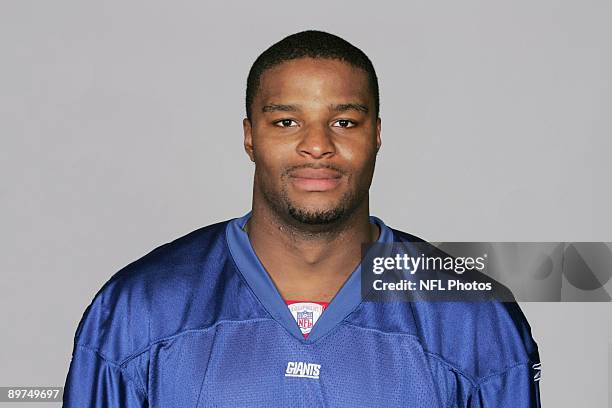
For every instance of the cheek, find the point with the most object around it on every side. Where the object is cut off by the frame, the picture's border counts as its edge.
(359, 157)
(270, 162)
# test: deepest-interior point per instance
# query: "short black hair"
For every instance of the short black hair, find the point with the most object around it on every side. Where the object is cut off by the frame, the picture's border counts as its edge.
(309, 44)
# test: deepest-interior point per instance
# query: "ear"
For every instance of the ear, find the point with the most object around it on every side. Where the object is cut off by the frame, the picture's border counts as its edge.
(378, 140)
(248, 138)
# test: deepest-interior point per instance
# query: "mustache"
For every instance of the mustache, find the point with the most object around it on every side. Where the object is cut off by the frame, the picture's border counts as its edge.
(291, 169)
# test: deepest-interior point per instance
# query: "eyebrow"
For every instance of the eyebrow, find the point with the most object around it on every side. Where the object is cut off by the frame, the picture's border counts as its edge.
(341, 107)
(279, 107)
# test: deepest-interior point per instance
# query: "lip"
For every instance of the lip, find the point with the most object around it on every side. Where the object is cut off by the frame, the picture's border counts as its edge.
(315, 180)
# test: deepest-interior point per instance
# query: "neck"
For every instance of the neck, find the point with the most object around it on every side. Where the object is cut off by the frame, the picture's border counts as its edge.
(309, 262)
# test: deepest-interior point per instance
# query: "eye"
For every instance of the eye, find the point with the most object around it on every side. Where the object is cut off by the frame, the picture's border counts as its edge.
(344, 123)
(285, 123)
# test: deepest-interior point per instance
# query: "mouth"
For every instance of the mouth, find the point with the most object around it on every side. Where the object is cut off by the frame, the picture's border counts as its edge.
(315, 180)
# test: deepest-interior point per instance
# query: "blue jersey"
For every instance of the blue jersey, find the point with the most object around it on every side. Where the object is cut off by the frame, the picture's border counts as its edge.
(198, 322)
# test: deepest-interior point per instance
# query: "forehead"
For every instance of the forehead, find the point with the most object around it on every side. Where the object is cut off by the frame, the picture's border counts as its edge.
(312, 79)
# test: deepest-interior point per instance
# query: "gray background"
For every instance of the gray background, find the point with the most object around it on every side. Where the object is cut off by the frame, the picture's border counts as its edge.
(121, 130)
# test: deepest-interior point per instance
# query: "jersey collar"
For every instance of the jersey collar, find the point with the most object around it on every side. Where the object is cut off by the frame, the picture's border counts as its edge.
(346, 300)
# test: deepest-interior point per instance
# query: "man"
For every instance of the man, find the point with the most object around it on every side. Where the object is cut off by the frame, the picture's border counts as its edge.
(265, 310)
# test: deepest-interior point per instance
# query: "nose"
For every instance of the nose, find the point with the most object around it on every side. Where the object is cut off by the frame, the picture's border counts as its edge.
(316, 143)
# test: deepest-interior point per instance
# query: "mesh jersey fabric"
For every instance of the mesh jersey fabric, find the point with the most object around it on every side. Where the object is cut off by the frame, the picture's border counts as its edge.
(197, 322)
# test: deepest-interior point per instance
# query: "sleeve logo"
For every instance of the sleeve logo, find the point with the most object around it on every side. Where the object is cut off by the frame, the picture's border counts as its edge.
(537, 368)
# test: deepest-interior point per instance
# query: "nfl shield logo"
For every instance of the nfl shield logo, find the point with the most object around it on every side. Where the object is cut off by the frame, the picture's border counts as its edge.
(305, 320)
(306, 315)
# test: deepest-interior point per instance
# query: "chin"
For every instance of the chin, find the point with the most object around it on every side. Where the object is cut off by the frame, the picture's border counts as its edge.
(315, 208)
(316, 215)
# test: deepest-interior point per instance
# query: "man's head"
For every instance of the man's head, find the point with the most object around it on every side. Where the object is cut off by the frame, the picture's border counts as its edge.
(309, 44)
(312, 128)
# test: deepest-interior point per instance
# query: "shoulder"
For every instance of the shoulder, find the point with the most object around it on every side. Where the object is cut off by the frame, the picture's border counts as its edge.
(480, 337)
(143, 300)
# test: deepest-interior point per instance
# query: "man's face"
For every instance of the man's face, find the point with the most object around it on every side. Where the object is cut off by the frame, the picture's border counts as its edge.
(313, 136)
